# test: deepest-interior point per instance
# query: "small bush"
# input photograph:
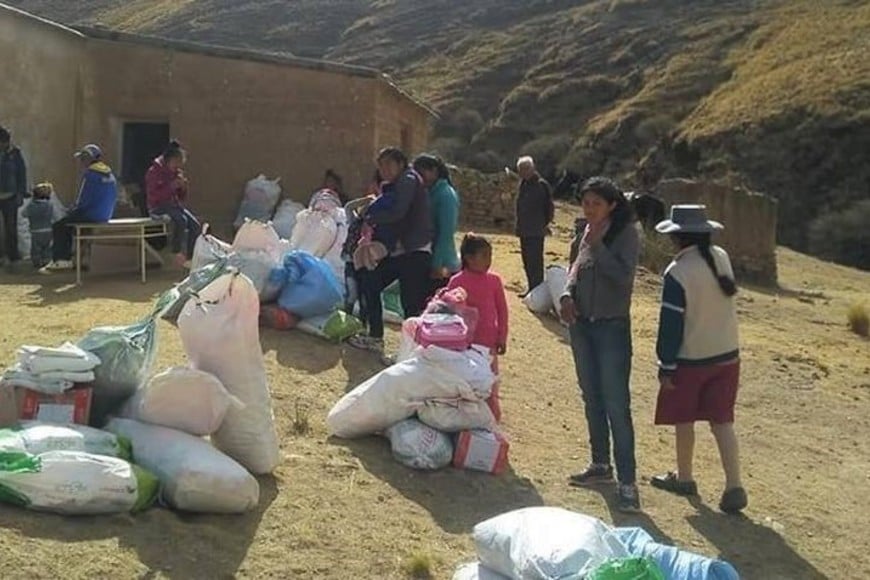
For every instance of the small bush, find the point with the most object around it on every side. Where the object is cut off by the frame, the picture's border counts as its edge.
(419, 566)
(859, 320)
(843, 236)
(657, 252)
(301, 424)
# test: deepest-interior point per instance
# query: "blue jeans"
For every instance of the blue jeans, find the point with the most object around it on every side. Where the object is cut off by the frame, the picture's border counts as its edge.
(185, 228)
(602, 356)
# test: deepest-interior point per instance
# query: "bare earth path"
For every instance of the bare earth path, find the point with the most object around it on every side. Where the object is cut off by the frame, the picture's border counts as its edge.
(346, 510)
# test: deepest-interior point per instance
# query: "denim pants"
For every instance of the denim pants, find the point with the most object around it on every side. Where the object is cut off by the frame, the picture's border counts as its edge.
(185, 228)
(412, 272)
(602, 357)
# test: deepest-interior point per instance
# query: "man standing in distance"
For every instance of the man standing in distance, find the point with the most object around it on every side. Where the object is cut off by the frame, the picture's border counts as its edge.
(534, 215)
(13, 187)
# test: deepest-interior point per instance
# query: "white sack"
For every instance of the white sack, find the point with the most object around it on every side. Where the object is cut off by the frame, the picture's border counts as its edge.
(316, 232)
(256, 251)
(455, 415)
(36, 438)
(476, 571)
(259, 201)
(75, 483)
(394, 394)
(221, 335)
(473, 365)
(556, 278)
(194, 476)
(181, 398)
(207, 250)
(545, 543)
(419, 446)
(285, 217)
(539, 300)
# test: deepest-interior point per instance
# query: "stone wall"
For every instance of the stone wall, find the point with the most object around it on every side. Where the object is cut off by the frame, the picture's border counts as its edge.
(488, 200)
(749, 219)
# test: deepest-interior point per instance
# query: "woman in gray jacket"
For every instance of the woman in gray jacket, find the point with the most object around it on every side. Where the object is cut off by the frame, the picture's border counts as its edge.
(597, 304)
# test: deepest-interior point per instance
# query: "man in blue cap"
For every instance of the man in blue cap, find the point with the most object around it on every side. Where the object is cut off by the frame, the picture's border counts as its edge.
(95, 203)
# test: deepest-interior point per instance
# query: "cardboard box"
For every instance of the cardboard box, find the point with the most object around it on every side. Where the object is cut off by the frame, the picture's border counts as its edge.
(481, 450)
(73, 406)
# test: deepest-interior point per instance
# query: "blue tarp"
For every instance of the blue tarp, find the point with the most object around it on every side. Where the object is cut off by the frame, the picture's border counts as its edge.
(676, 564)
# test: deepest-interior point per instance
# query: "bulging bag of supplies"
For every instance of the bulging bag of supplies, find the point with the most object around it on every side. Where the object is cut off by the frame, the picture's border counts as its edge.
(419, 446)
(259, 201)
(539, 300)
(285, 217)
(75, 483)
(398, 392)
(208, 249)
(194, 476)
(256, 251)
(126, 355)
(628, 569)
(476, 571)
(556, 279)
(316, 232)
(676, 564)
(36, 438)
(181, 398)
(336, 327)
(542, 543)
(309, 285)
(221, 336)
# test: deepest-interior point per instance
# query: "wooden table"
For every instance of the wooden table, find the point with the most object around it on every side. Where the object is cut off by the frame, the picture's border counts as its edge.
(138, 229)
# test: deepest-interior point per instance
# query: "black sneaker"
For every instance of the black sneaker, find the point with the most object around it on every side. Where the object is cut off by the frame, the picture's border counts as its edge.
(594, 474)
(669, 482)
(734, 501)
(627, 498)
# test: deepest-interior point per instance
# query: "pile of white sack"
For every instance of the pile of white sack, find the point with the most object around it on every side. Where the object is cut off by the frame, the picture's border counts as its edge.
(418, 402)
(203, 430)
(50, 370)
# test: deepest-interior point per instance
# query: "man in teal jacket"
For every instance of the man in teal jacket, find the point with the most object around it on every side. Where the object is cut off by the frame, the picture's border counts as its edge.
(444, 208)
(95, 203)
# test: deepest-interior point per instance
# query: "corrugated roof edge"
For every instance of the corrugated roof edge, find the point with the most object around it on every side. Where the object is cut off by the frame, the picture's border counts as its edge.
(249, 54)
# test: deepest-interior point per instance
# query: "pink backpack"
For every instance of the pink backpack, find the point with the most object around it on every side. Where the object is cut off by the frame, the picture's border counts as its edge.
(445, 330)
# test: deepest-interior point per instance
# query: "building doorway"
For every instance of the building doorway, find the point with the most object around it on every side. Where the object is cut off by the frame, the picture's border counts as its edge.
(141, 143)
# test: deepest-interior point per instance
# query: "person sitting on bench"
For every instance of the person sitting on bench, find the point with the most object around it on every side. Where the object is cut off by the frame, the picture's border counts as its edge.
(95, 203)
(166, 190)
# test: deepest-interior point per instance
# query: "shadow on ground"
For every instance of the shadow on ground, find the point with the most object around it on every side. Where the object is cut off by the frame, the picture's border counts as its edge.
(755, 550)
(456, 499)
(158, 535)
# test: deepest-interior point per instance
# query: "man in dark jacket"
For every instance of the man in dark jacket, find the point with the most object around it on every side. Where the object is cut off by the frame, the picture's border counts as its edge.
(13, 187)
(534, 214)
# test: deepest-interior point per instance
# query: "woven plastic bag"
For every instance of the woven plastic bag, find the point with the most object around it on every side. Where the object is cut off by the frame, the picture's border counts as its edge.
(221, 335)
(36, 437)
(628, 569)
(419, 446)
(285, 217)
(126, 356)
(259, 201)
(171, 302)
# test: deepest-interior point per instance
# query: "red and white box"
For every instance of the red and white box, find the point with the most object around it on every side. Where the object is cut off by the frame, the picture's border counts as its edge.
(73, 406)
(481, 450)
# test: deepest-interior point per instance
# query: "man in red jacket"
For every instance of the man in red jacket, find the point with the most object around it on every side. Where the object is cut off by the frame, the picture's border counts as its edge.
(166, 189)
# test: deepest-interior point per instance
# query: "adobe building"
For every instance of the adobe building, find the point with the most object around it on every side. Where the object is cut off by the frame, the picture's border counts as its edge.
(238, 113)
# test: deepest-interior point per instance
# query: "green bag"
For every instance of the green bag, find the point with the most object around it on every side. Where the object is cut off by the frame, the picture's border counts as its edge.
(340, 326)
(391, 298)
(628, 569)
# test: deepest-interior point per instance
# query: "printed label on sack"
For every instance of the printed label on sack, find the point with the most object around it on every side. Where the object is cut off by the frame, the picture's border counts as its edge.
(51, 413)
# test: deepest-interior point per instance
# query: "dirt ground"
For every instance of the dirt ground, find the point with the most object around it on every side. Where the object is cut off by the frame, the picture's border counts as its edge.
(345, 509)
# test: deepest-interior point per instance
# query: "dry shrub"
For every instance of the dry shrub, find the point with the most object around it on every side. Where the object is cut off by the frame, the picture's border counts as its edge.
(859, 320)
(301, 423)
(657, 252)
(419, 566)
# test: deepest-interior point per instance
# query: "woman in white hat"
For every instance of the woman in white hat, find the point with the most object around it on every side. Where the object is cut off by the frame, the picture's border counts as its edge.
(699, 364)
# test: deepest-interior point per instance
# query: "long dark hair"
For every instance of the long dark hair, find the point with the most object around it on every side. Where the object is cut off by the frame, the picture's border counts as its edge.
(173, 150)
(622, 214)
(427, 162)
(703, 241)
(471, 244)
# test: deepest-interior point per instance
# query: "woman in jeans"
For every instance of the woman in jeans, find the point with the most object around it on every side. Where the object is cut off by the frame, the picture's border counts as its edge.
(596, 304)
(410, 261)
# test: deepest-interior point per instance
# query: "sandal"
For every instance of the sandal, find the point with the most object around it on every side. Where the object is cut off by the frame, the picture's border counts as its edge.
(669, 482)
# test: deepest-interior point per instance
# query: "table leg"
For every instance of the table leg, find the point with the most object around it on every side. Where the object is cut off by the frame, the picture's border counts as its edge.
(142, 253)
(78, 257)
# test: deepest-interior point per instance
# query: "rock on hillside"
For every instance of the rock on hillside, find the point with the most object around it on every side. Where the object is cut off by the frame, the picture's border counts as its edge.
(773, 94)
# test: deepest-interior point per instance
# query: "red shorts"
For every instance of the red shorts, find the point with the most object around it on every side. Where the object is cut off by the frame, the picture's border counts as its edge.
(703, 393)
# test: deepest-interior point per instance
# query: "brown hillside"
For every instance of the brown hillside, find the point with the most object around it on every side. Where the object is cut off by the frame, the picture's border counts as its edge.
(771, 93)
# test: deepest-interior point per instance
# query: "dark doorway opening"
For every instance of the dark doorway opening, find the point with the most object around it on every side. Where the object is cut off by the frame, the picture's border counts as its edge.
(142, 142)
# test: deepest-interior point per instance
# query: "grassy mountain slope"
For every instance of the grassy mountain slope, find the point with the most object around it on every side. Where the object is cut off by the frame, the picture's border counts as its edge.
(771, 93)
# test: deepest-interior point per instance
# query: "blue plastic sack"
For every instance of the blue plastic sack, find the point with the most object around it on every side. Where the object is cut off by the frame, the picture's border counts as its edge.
(309, 286)
(676, 564)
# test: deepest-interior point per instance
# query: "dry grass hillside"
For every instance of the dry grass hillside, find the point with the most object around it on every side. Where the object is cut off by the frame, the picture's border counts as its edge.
(345, 509)
(771, 93)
